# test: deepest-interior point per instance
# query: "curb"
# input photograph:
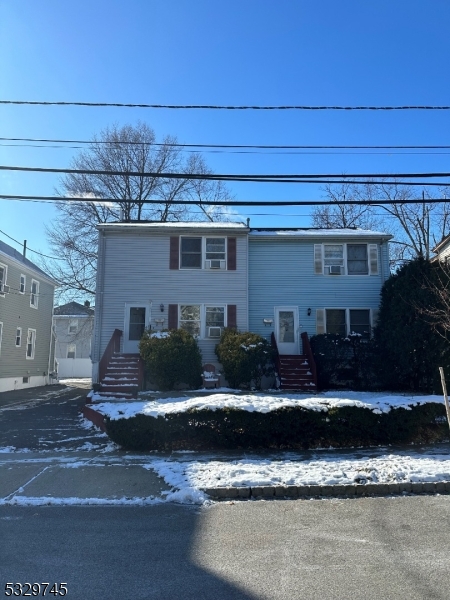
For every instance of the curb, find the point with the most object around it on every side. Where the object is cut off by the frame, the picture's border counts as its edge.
(340, 491)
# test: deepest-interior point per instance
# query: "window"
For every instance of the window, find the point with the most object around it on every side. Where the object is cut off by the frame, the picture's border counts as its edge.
(23, 281)
(31, 343)
(3, 275)
(214, 320)
(194, 249)
(191, 253)
(357, 259)
(342, 321)
(360, 323)
(73, 326)
(136, 326)
(71, 350)
(346, 259)
(34, 295)
(18, 337)
(336, 321)
(190, 318)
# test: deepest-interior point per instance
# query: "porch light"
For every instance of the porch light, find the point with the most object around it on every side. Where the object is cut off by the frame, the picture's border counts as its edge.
(161, 307)
(309, 312)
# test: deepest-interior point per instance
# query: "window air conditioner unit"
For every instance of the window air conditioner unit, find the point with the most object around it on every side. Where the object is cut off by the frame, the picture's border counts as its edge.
(335, 269)
(215, 264)
(4, 289)
(214, 332)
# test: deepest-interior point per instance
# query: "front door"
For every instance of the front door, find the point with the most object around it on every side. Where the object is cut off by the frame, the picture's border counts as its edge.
(286, 329)
(137, 318)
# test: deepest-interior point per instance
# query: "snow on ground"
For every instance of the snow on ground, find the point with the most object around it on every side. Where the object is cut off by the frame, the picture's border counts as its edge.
(260, 402)
(76, 381)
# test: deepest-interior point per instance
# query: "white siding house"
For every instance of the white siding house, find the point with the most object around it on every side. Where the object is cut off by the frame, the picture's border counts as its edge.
(169, 275)
(73, 324)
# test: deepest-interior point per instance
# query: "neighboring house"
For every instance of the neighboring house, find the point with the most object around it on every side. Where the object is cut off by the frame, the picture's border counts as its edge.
(73, 324)
(26, 312)
(169, 275)
(315, 280)
(442, 250)
(207, 276)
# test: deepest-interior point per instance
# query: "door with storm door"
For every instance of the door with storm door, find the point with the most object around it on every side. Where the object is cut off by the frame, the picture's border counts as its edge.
(286, 329)
(137, 318)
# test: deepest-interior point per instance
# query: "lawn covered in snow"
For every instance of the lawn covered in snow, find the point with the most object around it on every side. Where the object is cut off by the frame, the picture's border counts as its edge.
(262, 402)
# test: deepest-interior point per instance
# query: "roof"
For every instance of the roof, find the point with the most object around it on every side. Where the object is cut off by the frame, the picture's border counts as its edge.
(154, 226)
(17, 256)
(442, 243)
(311, 232)
(73, 309)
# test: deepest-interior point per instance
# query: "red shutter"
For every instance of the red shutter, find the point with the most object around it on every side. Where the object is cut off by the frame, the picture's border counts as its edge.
(174, 253)
(231, 316)
(231, 262)
(173, 316)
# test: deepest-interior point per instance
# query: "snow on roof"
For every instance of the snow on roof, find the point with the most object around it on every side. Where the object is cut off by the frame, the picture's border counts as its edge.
(320, 233)
(175, 225)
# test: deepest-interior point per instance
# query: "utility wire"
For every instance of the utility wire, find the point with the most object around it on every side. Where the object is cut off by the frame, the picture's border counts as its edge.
(230, 202)
(220, 106)
(30, 249)
(289, 178)
(245, 146)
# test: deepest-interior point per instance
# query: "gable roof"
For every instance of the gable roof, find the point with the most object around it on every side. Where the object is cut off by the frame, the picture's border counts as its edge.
(17, 256)
(73, 309)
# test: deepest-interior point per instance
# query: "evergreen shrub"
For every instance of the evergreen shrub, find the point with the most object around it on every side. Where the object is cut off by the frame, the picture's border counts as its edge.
(245, 357)
(172, 357)
(285, 428)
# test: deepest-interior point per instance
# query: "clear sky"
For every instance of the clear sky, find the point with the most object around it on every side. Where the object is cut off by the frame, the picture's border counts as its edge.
(237, 52)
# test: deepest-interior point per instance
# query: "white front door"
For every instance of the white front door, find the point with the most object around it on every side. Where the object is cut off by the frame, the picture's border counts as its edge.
(137, 318)
(286, 329)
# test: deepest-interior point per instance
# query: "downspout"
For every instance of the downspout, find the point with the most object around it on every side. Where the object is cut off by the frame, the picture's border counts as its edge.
(98, 316)
(52, 335)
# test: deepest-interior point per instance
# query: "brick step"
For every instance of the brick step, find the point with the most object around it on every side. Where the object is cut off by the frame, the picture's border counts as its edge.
(301, 370)
(299, 386)
(115, 395)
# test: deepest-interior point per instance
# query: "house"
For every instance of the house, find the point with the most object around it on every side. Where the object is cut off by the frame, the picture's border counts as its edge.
(442, 250)
(285, 284)
(73, 324)
(166, 275)
(26, 311)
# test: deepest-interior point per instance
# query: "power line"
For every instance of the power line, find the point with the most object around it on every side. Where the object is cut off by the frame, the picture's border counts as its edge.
(30, 249)
(231, 202)
(231, 146)
(273, 178)
(221, 106)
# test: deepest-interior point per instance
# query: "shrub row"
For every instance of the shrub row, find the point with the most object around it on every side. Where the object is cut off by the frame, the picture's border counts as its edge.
(286, 428)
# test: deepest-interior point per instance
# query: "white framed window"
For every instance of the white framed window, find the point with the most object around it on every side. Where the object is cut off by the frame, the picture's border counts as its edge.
(31, 344)
(18, 337)
(73, 326)
(346, 259)
(71, 350)
(34, 293)
(23, 283)
(202, 320)
(203, 252)
(346, 321)
(190, 318)
(1, 336)
(3, 278)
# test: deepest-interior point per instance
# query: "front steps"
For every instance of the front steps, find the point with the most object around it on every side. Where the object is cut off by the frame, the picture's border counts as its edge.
(295, 373)
(122, 377)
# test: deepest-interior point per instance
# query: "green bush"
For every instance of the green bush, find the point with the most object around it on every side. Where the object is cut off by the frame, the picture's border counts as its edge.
(172, 357)
(410, 350)
(285, 428)
(344, 362)
(245, 357)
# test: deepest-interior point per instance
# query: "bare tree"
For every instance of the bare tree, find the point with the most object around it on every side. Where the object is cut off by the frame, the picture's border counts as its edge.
(437, 313)
(123, 196)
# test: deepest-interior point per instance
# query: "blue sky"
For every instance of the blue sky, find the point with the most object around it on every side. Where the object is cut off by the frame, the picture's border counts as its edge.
(236, 52)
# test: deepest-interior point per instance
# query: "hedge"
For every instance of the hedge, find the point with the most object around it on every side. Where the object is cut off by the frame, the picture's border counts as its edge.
(285, 428)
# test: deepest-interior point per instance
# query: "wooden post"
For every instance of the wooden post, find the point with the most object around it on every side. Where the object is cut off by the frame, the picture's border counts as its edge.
(444, 389)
